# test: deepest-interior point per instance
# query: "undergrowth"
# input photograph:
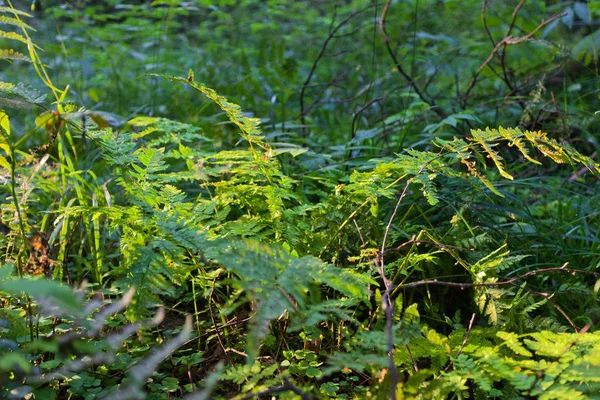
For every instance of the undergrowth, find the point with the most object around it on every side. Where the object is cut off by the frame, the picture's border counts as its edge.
(463, 265)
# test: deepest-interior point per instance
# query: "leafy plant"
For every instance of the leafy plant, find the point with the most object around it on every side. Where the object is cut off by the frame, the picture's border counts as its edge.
(402, 249)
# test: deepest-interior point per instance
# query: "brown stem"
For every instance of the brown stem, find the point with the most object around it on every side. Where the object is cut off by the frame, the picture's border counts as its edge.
(507, 40)
(462, 346)
(484, 20)
(387, 303)
(212, 317)
(503, 52)
(501, 283)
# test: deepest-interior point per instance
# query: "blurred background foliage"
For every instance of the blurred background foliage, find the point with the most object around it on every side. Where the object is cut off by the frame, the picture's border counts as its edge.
(261, 54)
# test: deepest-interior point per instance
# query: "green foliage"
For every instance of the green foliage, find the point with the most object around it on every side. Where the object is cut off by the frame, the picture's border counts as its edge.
(369, 235)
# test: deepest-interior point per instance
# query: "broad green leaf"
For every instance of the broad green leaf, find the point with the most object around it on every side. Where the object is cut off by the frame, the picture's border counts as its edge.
(43, 289)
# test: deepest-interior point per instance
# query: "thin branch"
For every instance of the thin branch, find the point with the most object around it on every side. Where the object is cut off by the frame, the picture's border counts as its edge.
(548, 298)
(484, 20)
(359, 113)
(462, 346)
(212, 317)
(412, 358)
(514, 18)
(503, 52)
(413, 240)
(507, 40)
(435, 282)
(355, 118)
(398, 66)
(362, 240)
(522, 39)
(331, 35)
(386, 299)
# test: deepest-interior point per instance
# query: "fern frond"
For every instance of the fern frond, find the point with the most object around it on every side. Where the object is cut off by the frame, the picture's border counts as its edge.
(484, 139)
(514, 138)
(249, 126)
(6, 86)
(511, 340)
(15, 22)
(14, 11)
(172, 131)
(280, 282)
(4, 133)
(15, 36)
(10, 54)
(463, 152)
(549, 147)
(20, 95)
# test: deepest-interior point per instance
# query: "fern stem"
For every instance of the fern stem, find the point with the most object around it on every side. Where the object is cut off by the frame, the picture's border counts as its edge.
(13, 166)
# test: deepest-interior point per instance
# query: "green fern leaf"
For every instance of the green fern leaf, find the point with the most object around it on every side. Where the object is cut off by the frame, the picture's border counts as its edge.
(4, 133)
(513, 136)
(511, 340)
(15, 36)
(15, 22)
(249, 126)
(484, 138)
(10, 54)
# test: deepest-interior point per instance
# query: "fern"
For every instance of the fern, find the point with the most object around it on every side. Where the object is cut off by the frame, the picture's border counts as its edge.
(164, 222)
(484, 139)
(565, 363)
(186, 211)
(11, 54)
(4, 146)
(20, 95)
(280, 283)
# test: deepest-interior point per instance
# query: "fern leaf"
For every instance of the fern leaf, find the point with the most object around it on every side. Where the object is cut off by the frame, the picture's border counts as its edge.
(15, 22)
(15, 36)
(463, 152)
(4, 127)
(10, 54)
(14, 11)
(6, 86)
(4, 133)
(511, 340)
(249, 126)
(513, 136)
(20, 95)
(547, 146)
(484, 139)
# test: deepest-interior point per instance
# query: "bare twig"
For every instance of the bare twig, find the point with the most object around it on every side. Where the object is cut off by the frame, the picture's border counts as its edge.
(414, 240)
(386, 299)
(501, 283)
(503, 52)
(358, 114)
(331, 35)
(412, 358)
(212, 317)
(462, 346)
(514, 18)
(507, 40)
(484, 20)
(392, 54)
(362, 240)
